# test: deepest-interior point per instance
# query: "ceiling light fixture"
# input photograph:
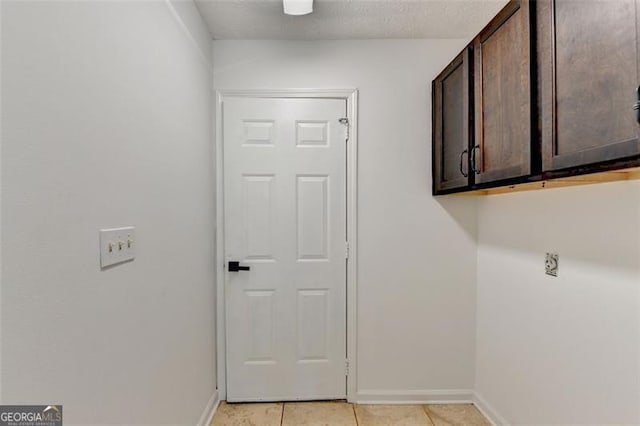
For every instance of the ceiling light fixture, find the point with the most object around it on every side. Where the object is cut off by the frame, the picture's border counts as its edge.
(297, 7)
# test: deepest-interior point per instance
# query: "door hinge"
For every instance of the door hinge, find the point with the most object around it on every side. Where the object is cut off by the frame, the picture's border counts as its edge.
(346, 249)
(346, 367)
(345, 121)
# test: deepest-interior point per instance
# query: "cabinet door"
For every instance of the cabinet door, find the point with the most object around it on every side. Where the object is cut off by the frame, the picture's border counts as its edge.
(588, 73)
(502, 72)
(450, 91)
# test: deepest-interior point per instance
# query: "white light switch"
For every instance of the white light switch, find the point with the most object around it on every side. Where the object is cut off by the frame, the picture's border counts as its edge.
(117, 245)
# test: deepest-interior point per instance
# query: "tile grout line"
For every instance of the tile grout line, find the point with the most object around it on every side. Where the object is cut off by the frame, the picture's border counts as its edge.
(355, 415)
(426, 411)
(282, 414)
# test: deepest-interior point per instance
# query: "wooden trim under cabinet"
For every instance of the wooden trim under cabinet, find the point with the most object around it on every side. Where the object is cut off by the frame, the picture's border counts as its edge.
(562, 182)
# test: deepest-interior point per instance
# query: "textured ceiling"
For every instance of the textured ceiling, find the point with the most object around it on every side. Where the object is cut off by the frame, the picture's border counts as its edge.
(348, 19)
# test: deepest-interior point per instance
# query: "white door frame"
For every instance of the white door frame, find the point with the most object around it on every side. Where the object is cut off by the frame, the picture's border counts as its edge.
(351, 97)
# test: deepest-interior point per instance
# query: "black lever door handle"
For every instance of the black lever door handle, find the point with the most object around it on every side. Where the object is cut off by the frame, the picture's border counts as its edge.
(234, 266)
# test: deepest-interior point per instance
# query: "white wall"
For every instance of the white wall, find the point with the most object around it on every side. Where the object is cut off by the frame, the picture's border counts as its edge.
(562, 350)
(417, 254)
(106, 121)
(1, 136)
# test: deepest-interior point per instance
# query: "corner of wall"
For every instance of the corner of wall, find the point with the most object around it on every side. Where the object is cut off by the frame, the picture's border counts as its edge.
(1, 134)
(210, 410)
(188, 17)
(479, 204)
(488, 411)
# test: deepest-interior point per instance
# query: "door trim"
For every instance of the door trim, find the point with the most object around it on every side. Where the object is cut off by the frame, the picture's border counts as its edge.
(351, 97)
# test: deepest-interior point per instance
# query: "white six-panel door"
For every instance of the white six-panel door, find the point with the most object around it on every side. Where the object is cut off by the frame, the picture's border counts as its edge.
(285, 218)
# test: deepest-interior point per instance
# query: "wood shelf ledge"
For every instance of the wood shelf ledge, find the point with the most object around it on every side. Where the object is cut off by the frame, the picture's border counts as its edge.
(588, 179)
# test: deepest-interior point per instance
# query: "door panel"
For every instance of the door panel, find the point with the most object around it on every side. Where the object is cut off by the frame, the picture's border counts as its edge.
(260, 210)
(451, 125)
(588, 55)
(502, 71)
(313, 318)
(285, 218)
(312, 228)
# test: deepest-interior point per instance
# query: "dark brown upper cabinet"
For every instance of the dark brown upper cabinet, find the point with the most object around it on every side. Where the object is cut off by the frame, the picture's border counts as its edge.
(503, 96)
(588, 59)
(451, 103)
(550, 89)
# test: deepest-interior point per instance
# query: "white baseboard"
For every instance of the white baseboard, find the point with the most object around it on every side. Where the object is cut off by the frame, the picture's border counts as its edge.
(488, 411)
(427, 396)
(210, 409)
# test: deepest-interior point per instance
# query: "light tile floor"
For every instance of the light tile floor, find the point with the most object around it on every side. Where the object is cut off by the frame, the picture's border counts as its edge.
(344, 414)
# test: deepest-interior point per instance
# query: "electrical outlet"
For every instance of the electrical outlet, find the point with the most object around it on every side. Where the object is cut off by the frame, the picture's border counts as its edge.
(551, 264)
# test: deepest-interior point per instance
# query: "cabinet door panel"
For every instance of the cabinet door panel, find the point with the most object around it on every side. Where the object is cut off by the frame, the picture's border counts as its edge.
(503, 96)
(451, 125)
(588, 55)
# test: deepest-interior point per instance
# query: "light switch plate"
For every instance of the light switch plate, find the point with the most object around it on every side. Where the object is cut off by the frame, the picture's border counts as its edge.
(117, 245)
(551, 264)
